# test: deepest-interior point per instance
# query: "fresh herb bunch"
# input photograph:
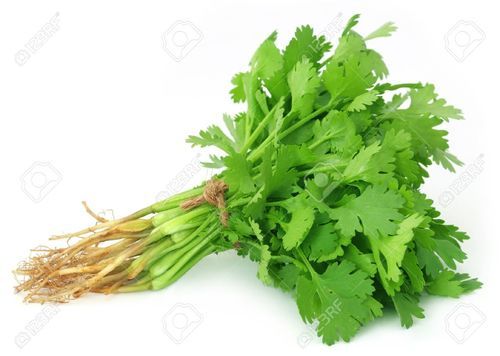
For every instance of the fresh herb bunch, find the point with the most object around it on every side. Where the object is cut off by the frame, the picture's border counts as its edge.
(319, 184)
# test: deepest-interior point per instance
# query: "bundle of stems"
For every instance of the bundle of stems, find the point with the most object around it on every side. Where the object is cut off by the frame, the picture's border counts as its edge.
(149, 249)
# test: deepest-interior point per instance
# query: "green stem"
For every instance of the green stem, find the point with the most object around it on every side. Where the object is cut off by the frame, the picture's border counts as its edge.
(387, 86)
(258, 130)
(173, 201)
(165, 279)
(179, 223)
(319, 142)
(278, 258)
(305, 120)
(314, 275)
(307, 264)
(170, 254)
(322, 169)
(259, 151)
(186, 267)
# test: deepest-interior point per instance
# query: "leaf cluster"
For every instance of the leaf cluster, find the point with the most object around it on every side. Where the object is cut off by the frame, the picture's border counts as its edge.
(325, 166)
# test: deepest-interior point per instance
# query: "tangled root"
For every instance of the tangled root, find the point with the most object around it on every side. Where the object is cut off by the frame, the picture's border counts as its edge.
(98, 262)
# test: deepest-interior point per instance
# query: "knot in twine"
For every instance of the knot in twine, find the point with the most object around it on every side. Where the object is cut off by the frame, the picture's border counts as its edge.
(213, 194)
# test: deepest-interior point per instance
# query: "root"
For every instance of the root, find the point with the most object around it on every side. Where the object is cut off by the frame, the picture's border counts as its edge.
(100, 258)
(97, 262)
(89, 211)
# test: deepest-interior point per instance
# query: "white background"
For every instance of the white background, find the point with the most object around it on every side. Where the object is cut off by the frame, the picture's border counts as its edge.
(109, 108)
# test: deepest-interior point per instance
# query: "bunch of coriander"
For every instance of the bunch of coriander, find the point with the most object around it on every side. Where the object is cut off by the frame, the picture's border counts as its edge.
(319, 185)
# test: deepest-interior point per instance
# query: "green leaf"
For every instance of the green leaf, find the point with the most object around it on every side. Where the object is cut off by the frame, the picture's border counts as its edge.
(451, 284)
(407, 307)
(237, 130)
(324, 242)
(267, 60)
(324, 172)
(374, 212)
(393, 249)
(361, 102)
(385, 30)
(340, 299)
(238, 91)
(424, 101)
(238, 176)
(421, 119)
(285, 277)
(304, 83)
(335, 132)
(263, 272)
(414, 272)
(213, 136)
(256, 229)
(302, 219)
(348, 79)
(364, 261)
(372, 164)
(353, 21)
(305, 44)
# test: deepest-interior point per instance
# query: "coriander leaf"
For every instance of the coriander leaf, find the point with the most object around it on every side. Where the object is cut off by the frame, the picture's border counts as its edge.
(424, 101)
(267, 59)
(451, 284)
(238, 175)
(385, 30)
(421, 119)
(277, 85)
(236, 128)
(427, 140)
(348, 79)
(364, 261)
(302, 219)
(413, 270)
(429, 261)
(305, 44)
(362, 101)
(407, 169)
(372, 164)
(335, 132)
(449, 252)
(285, 277)
(213, 136)
(256, 229)
(263, 272)
(446, 243)
(238, 91)
(340, 299)
(322, 241)
(374, 212)
(407, 307)
(353, 21)
(393, 249)
(303, 81)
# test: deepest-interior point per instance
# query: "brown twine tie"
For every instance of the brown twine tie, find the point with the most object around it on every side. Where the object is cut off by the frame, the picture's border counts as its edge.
(213, 195)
